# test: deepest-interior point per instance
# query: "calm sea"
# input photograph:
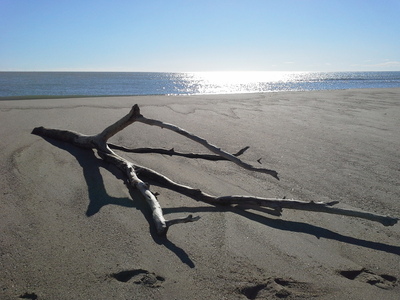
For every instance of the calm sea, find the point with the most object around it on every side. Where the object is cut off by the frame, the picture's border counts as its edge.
(47, 84)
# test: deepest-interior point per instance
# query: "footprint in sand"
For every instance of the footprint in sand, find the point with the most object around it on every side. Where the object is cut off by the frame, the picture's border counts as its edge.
(31, 296)
(140, 276)
(381, 281)
(279, 288)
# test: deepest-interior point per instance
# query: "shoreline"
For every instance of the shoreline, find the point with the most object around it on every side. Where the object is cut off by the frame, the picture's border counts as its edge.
(49, 97)
(70, 226)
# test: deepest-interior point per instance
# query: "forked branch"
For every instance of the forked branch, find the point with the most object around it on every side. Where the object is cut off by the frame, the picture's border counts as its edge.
(206, 144)
(276, 205)
(133, 171)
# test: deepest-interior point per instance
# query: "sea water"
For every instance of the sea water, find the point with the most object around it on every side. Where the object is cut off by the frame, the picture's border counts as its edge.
(47, 84)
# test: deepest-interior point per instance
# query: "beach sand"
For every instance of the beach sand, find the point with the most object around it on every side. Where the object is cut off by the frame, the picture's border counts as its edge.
(70, 229)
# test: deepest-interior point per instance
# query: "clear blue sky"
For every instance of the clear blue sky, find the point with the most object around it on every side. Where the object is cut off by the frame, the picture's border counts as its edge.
(199, 35)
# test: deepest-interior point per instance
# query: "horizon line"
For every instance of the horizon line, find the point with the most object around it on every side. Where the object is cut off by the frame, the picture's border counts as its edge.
(246, 71)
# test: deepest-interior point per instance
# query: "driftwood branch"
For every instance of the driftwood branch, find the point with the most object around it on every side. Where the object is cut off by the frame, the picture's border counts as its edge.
(276, 205)
(206, 144)
(133, 171)
(172, 152)
(99, 142)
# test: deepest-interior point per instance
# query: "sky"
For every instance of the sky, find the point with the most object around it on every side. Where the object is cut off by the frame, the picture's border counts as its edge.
(199, 35)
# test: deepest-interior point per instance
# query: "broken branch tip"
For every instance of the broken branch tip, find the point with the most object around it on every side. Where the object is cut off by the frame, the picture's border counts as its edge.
(136, 111)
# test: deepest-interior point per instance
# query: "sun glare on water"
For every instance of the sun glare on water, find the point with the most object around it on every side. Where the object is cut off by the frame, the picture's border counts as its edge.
(235, 82)
(241, 77)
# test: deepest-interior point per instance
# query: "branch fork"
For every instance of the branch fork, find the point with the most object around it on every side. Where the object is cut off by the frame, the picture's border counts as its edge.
(104, 149)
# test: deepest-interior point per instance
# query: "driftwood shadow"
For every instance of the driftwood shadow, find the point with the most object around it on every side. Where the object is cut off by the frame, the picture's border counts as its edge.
(98, 196)
(292, 226)
(162, 240)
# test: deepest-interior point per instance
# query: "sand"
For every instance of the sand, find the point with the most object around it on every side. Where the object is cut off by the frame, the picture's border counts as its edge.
(70, 229)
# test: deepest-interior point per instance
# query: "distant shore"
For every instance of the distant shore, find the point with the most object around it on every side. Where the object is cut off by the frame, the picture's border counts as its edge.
(72, 230)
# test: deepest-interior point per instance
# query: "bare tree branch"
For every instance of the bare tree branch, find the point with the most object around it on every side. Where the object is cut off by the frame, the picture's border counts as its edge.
(99, 142)
(132, 172)
(172, 152)
(206, 144)
(277, 205)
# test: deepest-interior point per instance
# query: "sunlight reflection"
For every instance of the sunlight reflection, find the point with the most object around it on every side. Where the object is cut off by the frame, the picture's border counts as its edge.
(236, 82)
(242, 77)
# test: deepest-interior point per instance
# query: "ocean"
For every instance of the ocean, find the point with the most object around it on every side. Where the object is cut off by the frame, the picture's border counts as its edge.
(75, 84)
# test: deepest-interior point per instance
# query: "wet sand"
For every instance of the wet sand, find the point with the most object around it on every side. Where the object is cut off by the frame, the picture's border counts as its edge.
(70, 229)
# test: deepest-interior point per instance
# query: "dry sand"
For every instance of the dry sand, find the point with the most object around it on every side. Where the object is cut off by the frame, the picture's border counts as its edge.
(71, 230)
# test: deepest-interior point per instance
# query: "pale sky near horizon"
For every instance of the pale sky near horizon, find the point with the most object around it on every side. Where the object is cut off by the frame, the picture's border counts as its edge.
(202, 35)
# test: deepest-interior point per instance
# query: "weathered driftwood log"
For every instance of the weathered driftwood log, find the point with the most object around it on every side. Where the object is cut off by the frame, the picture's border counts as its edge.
(99, 142)
(275, 206)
